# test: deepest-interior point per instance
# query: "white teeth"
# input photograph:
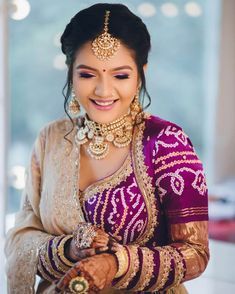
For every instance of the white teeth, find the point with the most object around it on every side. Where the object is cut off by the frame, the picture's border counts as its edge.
(104, 103)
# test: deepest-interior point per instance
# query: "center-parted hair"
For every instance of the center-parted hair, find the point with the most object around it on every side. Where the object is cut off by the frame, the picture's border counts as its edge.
(88, 23)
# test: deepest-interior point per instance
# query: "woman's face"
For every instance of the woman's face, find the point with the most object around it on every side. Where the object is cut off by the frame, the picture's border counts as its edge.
(105, 89)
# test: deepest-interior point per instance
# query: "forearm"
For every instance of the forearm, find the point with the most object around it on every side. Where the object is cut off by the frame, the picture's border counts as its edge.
(193, 246)
(161, 268)
(53, 262)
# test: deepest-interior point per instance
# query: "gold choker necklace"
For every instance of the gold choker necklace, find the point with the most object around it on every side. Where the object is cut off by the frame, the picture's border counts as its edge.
(118, 132)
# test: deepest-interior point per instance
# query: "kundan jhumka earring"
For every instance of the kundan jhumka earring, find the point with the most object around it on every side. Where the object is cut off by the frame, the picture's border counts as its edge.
(135, 106)
(105, 45)
(118, 132)
(74, 106)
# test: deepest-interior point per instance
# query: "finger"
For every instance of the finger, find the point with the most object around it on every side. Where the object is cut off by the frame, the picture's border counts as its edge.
(101, 233)
(101, 237)
(84, 253)
(115, 238)
(101, 249)
(99, 244)
(100, 241)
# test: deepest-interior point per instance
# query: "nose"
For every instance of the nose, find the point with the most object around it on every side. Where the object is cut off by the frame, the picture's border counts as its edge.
(103, 88)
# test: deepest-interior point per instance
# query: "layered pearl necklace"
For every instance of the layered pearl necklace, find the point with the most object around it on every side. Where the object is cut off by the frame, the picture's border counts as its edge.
(118, 132)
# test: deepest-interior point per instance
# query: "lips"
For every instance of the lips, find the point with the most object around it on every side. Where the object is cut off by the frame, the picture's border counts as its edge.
(103, 104)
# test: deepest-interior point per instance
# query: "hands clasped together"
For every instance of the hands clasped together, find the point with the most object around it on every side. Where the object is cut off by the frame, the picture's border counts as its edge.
(95, 263)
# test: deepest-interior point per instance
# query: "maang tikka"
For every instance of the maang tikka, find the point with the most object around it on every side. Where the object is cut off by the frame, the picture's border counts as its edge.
(105, 45)
(74, 106)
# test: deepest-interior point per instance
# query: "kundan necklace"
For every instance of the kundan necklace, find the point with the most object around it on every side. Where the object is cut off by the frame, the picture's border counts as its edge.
(118, 132)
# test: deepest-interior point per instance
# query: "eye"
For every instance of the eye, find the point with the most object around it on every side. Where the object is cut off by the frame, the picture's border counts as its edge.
(122, 76)
(85, 75)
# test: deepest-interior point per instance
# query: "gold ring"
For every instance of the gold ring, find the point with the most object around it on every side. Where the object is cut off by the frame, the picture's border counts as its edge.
(79, 285)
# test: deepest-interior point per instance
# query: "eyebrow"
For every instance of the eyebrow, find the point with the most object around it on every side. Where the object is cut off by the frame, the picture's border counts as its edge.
(83, 66)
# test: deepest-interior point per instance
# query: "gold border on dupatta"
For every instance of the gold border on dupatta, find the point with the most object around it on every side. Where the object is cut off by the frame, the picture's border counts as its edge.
(144, 182)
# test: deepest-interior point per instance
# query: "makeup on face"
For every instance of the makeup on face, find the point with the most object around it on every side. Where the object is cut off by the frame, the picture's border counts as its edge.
(105, 89)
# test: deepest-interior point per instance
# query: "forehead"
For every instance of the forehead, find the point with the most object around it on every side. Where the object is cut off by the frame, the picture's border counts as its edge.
(123, 56)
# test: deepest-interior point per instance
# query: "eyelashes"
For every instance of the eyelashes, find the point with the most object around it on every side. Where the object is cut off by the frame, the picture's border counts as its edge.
(122, 77)
(88, 76)
(85, 75)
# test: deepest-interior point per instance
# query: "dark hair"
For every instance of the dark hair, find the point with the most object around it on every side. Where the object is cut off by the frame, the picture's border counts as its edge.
(88, 23)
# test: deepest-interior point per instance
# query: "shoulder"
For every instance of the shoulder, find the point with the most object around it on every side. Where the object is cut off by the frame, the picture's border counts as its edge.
(59, 126)
(158, 127)
(155, 124)
(166, 135)
(52, 135)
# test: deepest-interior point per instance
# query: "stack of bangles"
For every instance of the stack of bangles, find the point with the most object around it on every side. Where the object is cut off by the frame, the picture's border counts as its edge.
(54, 266)
(83, 237)
(77, 282)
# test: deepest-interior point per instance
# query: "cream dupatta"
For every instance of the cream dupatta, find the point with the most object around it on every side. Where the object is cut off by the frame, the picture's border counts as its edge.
(49, 206)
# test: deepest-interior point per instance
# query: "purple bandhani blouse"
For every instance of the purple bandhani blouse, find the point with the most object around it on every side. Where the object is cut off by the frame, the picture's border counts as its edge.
(157, 203)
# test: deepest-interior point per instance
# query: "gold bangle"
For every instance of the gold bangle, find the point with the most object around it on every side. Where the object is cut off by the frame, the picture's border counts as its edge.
(47, 263)
(45, 260)
(43, 273)
(60, 251)
(59, 264)
(133, 267)
(123, 262)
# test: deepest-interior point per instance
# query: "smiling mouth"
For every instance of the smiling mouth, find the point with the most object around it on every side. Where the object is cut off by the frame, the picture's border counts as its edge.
(103, 103)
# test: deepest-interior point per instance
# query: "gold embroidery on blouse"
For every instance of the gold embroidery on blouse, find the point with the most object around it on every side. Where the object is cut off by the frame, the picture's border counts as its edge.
(146, 271)
(172, 154)
(109, 182)
(175, 162)
(104, 208)
(96, 208)
(122, 222)
(133, 267)
(188, 211)
(164, 268)
(145, 184)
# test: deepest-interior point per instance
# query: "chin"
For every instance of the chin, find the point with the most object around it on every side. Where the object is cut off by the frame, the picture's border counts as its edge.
(105, 118)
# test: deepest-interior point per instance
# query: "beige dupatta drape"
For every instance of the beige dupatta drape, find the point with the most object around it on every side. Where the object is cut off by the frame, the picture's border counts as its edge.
(48, 205)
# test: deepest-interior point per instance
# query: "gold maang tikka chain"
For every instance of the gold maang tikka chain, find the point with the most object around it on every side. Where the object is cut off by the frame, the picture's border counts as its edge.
(118, 132)
(105, 45)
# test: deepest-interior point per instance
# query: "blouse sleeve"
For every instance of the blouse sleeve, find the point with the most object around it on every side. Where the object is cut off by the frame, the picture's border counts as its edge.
(28, 235)
(182, 192)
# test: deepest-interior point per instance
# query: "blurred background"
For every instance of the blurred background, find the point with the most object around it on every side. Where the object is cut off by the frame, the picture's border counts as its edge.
(191, 80)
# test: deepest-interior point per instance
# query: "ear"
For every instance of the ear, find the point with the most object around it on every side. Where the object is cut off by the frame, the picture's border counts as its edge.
(145, 67)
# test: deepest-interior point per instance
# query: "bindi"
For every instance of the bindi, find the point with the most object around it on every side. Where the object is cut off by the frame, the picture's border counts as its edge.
(104, 70)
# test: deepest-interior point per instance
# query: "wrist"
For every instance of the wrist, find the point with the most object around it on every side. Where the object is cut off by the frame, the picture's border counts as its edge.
(71, 250)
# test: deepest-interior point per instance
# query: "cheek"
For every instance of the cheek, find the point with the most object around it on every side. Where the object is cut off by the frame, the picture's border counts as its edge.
(82, 87)
(128, 91)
